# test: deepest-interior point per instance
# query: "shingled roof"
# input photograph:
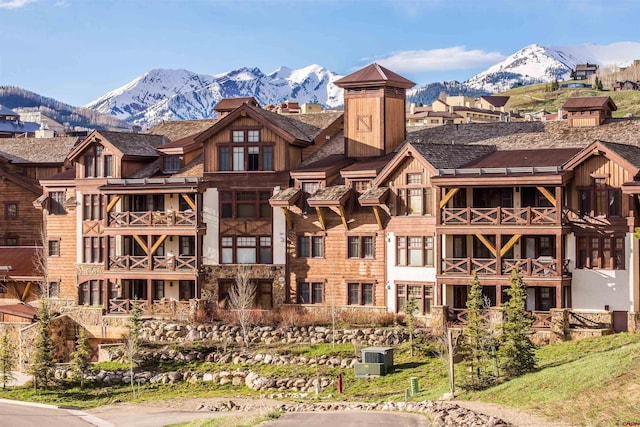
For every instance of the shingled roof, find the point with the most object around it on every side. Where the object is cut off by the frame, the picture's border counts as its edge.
(36, 150)
(589, 103)
(525, 158)
(529, 135)
(630, 153)
(374, 75)
(442, 156)
(134, 144)
(496, 101)
(178, 129)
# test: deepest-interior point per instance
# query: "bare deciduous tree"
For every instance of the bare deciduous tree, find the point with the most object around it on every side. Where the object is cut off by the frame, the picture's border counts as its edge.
(242, 297)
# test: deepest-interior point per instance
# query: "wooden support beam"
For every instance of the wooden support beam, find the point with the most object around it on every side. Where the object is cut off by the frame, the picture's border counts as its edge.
(343, 216)
(142, 244)
(190, 202)
(448, 197)
(320, 217)
(26, 291)
(547, 195)
(112, 203)
(287, 217)
(487, 243)
(376, 212)
(512, 241)
(157, 244)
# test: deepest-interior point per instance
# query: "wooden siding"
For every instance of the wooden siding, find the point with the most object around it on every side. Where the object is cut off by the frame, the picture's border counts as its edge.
(267, 137)
(62, 268)
(602, 166)
(364, 127)
(410, 165)
(395, 123)
(27, 226)
(335, 270)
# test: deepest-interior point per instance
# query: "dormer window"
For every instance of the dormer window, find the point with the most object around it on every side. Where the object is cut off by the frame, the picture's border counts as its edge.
(245, 153)
(97, 164)
(171, 164)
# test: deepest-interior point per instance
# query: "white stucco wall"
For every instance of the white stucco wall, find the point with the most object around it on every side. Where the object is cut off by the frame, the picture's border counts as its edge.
(593, 289)
(401, 273)
(210, 247)
(279, 236)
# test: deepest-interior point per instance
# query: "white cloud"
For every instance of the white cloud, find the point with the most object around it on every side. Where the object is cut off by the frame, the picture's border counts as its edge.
(450, 58)
(14, 4)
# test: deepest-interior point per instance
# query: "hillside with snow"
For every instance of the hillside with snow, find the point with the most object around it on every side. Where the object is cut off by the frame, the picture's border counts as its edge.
(162, 94)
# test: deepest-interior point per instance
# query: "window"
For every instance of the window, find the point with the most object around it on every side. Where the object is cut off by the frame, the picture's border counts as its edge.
(415, 251)
(421, 293)
(56, 203)
(11, 240)
(92, 207)
(251, 157)
(600, 200)
(11, 210)
(187, 245)
(310, 246)
(360, 187)
(600, 252)
(415, 201)
(90, 292)
(360, 293)
(93, 250)
(414, 178)
(245, 204)
(171, 164)
(54, 247)
(186, 290)
(310, 292)
(246, 250)
(53, 289)
(308, 190)
(360, 247)
(96, 164)
(158, 289)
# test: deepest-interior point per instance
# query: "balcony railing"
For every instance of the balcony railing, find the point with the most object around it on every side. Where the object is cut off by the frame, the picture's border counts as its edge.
(541, 320)
(153, 219)
(159, 263)
(496, 216)
(528, 267)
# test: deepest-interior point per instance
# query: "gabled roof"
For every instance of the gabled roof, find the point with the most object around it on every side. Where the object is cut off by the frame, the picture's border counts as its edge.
(178, 129)
(292, 130)
(496, 101)
(589, 103)
(127, 143)
(22, 181)
(4, 111)
(229, 104)
(36, 150)
(16, 126)
(627, 156)
(374, 75)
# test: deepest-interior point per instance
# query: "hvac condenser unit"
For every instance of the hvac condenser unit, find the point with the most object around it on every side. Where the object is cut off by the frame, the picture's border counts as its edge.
(376, 361)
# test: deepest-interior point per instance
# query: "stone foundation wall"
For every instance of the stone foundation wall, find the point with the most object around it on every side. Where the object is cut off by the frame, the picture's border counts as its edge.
(633, 321)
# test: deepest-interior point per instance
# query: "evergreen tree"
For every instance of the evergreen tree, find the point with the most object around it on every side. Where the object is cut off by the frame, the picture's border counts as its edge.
(598, 84)
(132, 340)
(81, 357)
(42, 363)
(517, 351)
(7, 359)
(572, 76)
(410, 310)
(475, 339)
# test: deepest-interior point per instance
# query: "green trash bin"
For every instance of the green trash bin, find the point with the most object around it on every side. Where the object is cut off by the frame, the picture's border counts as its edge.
(414, 386)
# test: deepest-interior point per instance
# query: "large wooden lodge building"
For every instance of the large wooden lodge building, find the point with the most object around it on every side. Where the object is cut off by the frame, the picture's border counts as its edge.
(349, 209)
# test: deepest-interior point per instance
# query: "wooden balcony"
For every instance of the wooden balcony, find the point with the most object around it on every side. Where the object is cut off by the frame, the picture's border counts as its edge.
(529, 267)
(158, 263)
(500, 216)
(153, 219)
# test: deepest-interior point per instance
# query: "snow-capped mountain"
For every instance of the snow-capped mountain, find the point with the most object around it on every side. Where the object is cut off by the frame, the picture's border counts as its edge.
(162, 94)
(180, 94)
(539, 64)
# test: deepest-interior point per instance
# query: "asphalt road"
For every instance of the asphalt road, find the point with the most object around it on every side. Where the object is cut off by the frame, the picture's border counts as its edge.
(349, 419)
(17, 415)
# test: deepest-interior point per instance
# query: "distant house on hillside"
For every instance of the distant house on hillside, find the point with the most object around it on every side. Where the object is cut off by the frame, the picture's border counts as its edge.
(575, 85)
(584, 71)
(626, 85)
(588, 110)
(12, 127)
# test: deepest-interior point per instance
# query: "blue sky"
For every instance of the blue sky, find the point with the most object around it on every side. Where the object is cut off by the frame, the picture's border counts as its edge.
(77, 50)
